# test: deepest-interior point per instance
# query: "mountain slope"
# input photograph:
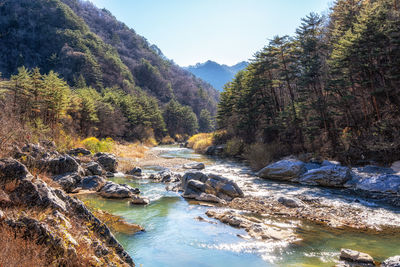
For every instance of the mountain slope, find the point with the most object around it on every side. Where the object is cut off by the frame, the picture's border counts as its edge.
(75, 38)
(215, 74)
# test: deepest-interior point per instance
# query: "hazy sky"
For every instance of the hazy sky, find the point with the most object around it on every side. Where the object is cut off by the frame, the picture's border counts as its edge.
(225, 31)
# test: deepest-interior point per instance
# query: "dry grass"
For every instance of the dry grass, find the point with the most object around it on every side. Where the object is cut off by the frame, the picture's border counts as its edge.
(130, 150)
(201, 141)
(167, 140)
(17, 251)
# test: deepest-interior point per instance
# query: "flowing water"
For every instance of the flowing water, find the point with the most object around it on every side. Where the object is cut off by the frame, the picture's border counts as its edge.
(173, 236)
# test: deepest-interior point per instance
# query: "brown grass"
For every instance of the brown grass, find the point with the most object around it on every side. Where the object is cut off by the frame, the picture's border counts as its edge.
(17, 251)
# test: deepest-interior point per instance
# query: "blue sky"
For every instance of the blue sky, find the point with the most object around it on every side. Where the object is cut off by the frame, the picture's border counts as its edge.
(225, 31)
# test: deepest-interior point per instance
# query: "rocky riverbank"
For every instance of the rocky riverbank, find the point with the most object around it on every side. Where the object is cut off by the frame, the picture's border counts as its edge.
(40, 209)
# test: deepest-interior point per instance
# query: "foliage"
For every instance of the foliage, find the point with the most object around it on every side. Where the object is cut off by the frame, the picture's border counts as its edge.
(179, 119)
(234, 147)
(95, 145)
(200, 142)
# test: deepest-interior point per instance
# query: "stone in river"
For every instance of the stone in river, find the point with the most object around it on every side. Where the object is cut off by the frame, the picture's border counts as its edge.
(285, 170)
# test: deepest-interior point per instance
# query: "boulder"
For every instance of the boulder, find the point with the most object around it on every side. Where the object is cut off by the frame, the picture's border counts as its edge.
(93, 168)
(165, 177)
(194, 166)
(35, 150)
(396, 166)
(113, 190)
(391, 262)
(329, 163)
(356, 256)
(108, 161)
(93, 183)
(68, 181)
(331, 176)
(215, 150)
(285, 170)
(135, 171)
(137, 200)
(372, 179)
(79, 151)
(61, 164)
(209, 187)
(12, 170)
(290, 202)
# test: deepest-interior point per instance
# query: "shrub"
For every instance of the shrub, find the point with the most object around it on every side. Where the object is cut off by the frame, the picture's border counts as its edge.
(167, 140)
(200, 142)
(95, 145)
(234, 147)
(259, 155)
(220, 137)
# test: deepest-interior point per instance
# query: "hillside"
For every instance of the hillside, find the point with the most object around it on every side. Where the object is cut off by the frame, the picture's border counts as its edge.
(75, 38)
(215, 74)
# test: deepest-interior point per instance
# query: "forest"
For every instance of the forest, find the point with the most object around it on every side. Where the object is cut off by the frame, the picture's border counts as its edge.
(69, 70)
(332, 89)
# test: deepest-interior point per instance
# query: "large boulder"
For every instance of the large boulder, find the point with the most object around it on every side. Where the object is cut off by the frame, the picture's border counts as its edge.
(373, 179)
(79, 151)
(215, 150)
(138, 200)
(391, 262)
(209, 187)
(68, 181)
(12, 170)
(93, 168)
(284, 170)
(356, 257)
(330, 175)
(108, 161)
(61, 164)
(93, 183)
(114, 190)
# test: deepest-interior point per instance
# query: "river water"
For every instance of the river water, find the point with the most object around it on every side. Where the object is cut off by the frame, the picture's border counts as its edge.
(173, 236)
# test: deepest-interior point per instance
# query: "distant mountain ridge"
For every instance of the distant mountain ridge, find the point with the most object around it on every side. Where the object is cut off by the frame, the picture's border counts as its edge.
(216, 74)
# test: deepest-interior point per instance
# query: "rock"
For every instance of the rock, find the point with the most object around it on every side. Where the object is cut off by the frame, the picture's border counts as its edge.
(93, 168)
(108, 161)
(329, 163)
(391, 262)
(285, 170)
(290, 202)
(68, 181)
(113, 190)
(165, 177)
(195, 166)
(209, 187)
(396, 166)
(93, 183)
(137, 200)
(35, 150)
(12, 170)
(255, 229)
(61, 164)
(79, 151)
(356, 256)
(331, 176)
(2, 216)
(215, 150)
(382, 183)
(372, 169)
(135, 171)
(201, 219)
(311, 166)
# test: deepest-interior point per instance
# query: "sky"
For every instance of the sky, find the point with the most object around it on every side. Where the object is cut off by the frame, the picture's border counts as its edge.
(225, 31)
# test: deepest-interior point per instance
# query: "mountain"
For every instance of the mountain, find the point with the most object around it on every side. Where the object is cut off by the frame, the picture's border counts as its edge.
(75, 38)
(215, 74)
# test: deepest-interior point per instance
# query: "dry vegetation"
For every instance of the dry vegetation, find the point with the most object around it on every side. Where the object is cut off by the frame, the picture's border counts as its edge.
(200, 142)
(17, 251)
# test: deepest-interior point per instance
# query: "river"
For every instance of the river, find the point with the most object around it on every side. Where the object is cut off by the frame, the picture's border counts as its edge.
(173, 236)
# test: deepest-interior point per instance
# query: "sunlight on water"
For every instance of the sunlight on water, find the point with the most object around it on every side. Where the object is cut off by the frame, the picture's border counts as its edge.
(174, 238)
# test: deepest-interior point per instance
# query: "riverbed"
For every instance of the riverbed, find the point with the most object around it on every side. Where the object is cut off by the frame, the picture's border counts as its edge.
(175, 237)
